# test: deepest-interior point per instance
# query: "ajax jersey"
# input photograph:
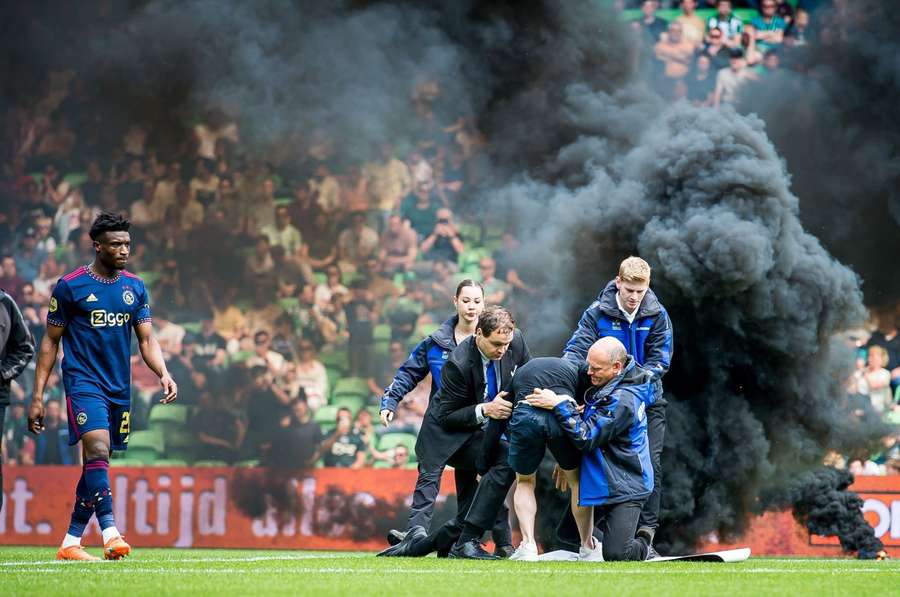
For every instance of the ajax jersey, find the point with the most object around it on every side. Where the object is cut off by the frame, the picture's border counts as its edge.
(98, 315)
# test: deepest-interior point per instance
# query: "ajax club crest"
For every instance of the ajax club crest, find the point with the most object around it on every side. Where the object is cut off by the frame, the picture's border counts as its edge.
(128, 297)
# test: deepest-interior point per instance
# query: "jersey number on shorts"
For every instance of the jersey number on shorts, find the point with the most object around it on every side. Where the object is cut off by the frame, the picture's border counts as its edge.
(126, 418)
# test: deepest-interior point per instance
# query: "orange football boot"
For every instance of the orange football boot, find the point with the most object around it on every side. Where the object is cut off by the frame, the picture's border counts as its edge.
(75, 552)
(116, 548)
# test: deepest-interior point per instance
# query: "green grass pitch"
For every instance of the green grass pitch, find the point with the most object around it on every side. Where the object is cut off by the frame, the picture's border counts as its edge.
(213, 573)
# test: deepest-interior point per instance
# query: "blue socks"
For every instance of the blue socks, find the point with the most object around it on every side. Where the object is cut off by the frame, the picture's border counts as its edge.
(96, 479)
(84, 508)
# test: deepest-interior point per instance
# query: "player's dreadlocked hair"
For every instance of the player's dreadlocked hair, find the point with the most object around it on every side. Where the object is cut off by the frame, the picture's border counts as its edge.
(108, 222)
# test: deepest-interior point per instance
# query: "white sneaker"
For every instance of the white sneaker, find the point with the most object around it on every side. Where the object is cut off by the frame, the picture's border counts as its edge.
(591, 555)
(526, 552)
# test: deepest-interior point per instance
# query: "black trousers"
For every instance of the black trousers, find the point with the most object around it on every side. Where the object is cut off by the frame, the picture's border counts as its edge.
(492, 490)
(656, 433)
(618, 524)
(428, 486)
(478, 503)
(2, 418)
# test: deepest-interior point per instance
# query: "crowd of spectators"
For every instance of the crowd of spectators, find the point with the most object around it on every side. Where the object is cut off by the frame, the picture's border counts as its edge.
(874, 389)
(286, 294)
(708, 60)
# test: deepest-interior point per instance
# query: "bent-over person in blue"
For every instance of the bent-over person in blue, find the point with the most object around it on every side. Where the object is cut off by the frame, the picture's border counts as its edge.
(93, 311)
(616, 475)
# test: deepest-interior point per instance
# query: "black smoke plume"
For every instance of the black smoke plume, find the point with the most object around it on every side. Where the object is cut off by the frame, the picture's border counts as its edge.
(832, 116)
(587, 164)
(821, 502)
(756, 388)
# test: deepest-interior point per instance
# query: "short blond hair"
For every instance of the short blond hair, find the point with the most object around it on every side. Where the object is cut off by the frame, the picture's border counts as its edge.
(634, 270)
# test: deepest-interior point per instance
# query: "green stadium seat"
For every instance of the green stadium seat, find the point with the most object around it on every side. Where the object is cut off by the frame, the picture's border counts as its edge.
(335, 359)
(75, 179)
(210, 463)
(170, 462)
(247, 463)
(180, 444)
(333, 376)
(239, 357)
(493, 232)
(150, 278)
(382, 333)
(392, 440)
(125, 462)
(325, 415)
(471, 257)
(670, 14)
(352, 401)
(289, 303)
(276, 181)
(348, 278)
(381, 464)
(470, 233)
(146, 446)
(351, 385)
(168, 419)
(492, 245)
(425, 329)
(168, 416)
(192, 327)
(471, 270)
(400, 281)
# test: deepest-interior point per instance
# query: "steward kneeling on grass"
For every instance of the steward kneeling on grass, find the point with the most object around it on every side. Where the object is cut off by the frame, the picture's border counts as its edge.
(616, 474)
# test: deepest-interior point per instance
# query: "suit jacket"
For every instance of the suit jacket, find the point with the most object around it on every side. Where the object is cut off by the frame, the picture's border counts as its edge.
(450, 418)
(16, 345)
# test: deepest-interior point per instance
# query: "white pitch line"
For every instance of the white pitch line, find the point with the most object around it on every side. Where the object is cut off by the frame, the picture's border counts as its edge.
(200, 560)
(480, 571)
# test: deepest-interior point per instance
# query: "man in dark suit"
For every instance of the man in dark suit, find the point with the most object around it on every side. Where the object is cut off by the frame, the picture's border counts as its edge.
(453, 431)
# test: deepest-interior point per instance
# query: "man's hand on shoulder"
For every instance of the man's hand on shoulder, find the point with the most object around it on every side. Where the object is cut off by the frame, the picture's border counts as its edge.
(170, 389)
(498, 408)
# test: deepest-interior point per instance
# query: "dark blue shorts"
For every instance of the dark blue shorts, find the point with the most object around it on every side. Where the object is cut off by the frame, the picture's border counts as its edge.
(531, 431)
(89, 412)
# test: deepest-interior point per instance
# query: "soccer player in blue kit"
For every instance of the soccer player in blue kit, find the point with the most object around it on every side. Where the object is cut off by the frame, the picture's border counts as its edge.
(92, 310)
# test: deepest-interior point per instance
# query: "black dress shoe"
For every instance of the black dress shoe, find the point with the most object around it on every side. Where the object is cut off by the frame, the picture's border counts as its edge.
(394, 536)
(405, 547)
(470, 550)
(504, 551)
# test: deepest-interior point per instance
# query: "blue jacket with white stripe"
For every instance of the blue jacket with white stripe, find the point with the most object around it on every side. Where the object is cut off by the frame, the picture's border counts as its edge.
(612, 435)
(649, 338)
(429, 356)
